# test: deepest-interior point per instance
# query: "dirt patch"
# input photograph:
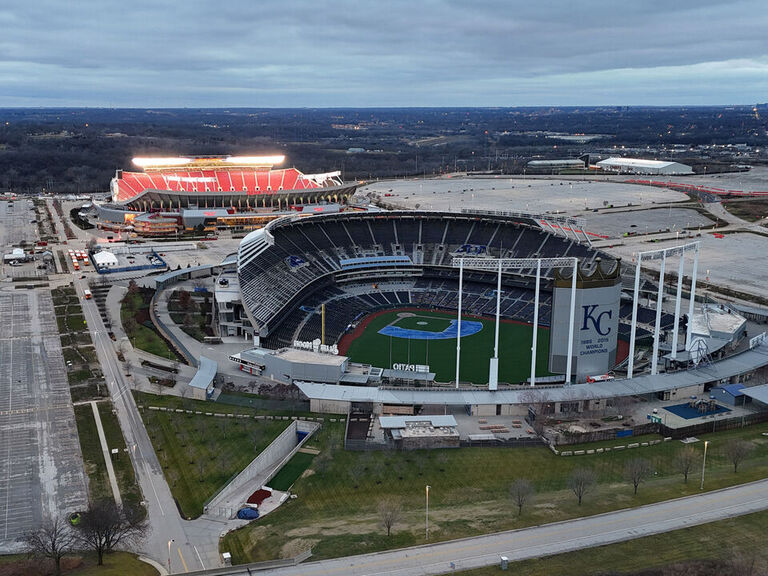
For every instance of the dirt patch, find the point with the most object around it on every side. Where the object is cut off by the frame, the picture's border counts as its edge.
(307, 473)
(360, 525)
(293, 548)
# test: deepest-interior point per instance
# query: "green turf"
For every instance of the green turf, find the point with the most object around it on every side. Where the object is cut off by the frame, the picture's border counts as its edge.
(336, 507)
(121, 462)
(476, 350)
(93, 457)
(291, 472)
(200, 454)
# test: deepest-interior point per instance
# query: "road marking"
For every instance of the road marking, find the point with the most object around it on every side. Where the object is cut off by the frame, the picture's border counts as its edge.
(182, 560)
(198, 556)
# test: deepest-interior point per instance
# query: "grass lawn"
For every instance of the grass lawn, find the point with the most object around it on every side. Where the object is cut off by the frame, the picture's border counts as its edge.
(136, 307)
(476, 350)
(749, 210)
(335, 512)
(744, 535)
(121, 462)
(93, 457)
(291, 472)
(200, 454)
(115, 564)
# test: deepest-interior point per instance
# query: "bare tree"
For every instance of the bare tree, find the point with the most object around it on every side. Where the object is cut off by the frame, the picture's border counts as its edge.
(736, 451)
(637, 470)
(53, 540)
(390, 511)
(685, 459)
(105, 525)
(581, 481)
(521, 491)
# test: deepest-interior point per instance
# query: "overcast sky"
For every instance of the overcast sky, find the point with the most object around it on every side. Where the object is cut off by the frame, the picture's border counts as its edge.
(265, 53)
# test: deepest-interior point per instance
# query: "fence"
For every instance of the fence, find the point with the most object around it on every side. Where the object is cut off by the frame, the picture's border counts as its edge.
(563, 439)
(255, 566)
(715, 425)
(264, 403)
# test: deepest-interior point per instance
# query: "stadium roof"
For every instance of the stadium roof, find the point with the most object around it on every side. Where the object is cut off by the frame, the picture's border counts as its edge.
(759, 393)
(641, 164)
(645, 384)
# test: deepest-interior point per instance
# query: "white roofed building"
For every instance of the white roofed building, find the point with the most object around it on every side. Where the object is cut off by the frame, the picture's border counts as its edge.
(104, 259)
(642, 166)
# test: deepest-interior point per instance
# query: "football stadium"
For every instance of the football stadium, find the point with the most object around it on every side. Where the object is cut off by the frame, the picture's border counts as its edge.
(210, 193)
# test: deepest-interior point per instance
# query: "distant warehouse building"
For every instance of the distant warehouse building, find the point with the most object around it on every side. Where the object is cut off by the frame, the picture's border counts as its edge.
(641, 166)
(554, 166)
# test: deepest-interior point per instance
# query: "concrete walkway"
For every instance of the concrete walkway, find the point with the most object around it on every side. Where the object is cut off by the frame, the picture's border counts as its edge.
(107, 455)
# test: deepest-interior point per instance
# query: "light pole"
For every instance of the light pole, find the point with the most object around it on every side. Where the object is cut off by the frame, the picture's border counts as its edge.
(703, 464)
(426, 531)
(169, 554)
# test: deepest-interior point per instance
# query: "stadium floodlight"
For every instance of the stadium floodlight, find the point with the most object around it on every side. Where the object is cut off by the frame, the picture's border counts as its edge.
(155, 162)
(255, 160)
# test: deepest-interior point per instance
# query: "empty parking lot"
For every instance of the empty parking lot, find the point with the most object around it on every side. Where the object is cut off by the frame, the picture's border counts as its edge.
(41, 469)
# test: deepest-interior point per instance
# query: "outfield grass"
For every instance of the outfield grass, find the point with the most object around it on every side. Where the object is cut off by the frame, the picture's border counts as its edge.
(200, 454)
(719, 541)
(291, 472)
(476, 350)
(93, 457)
(336, 510)
(121, 462)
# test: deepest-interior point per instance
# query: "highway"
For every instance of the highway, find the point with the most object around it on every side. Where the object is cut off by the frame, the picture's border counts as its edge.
(537, 541)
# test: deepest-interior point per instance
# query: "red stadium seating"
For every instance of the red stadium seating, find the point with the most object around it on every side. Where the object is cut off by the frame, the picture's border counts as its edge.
(249, 181)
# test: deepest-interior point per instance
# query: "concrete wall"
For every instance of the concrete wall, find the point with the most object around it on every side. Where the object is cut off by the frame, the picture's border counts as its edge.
(329, 406)
(260, 470)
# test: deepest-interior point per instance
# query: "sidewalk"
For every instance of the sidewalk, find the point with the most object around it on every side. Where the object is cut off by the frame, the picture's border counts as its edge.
(107, 455)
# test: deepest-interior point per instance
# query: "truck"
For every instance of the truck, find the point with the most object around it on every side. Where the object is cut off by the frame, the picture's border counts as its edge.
(88, 294)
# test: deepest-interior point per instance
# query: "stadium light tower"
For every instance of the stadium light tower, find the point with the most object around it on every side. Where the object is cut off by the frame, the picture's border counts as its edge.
(499, 264)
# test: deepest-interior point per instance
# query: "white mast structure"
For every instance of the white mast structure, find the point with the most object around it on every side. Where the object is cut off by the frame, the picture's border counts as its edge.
(662, 255)
(501, 264)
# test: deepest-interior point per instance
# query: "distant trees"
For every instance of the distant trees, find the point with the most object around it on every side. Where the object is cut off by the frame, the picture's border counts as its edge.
(105, 525)
(685, 460)
(736, 451)
(521, 491)
(636, 471)
(581, 481)
(390, 511)
(54, 540)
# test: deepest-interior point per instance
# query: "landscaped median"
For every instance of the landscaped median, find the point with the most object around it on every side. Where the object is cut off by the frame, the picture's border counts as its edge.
(338, 509)
(134, 316)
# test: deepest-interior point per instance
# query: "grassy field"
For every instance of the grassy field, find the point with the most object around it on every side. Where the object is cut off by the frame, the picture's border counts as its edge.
(134, 313)
(121, 462)
(200, 454)
(115, 564)
(749, 210)
(476, 350)
(734, 541)
(93, 457)
(335, 512)
(291, 472)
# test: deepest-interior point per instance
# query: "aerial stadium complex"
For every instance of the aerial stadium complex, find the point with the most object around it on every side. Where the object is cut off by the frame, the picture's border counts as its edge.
(406, 309)
(239, 193)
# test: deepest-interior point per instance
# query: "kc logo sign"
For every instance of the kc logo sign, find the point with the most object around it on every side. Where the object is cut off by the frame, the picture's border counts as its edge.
(596, 319)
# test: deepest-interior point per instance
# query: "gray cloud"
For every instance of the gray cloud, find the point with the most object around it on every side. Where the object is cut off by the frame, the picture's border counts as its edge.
(396, 53)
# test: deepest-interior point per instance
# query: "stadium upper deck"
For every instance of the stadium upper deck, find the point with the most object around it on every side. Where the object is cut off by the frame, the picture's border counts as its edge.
(221, 181)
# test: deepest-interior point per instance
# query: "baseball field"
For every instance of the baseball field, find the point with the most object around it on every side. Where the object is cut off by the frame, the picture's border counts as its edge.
(412, 336)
